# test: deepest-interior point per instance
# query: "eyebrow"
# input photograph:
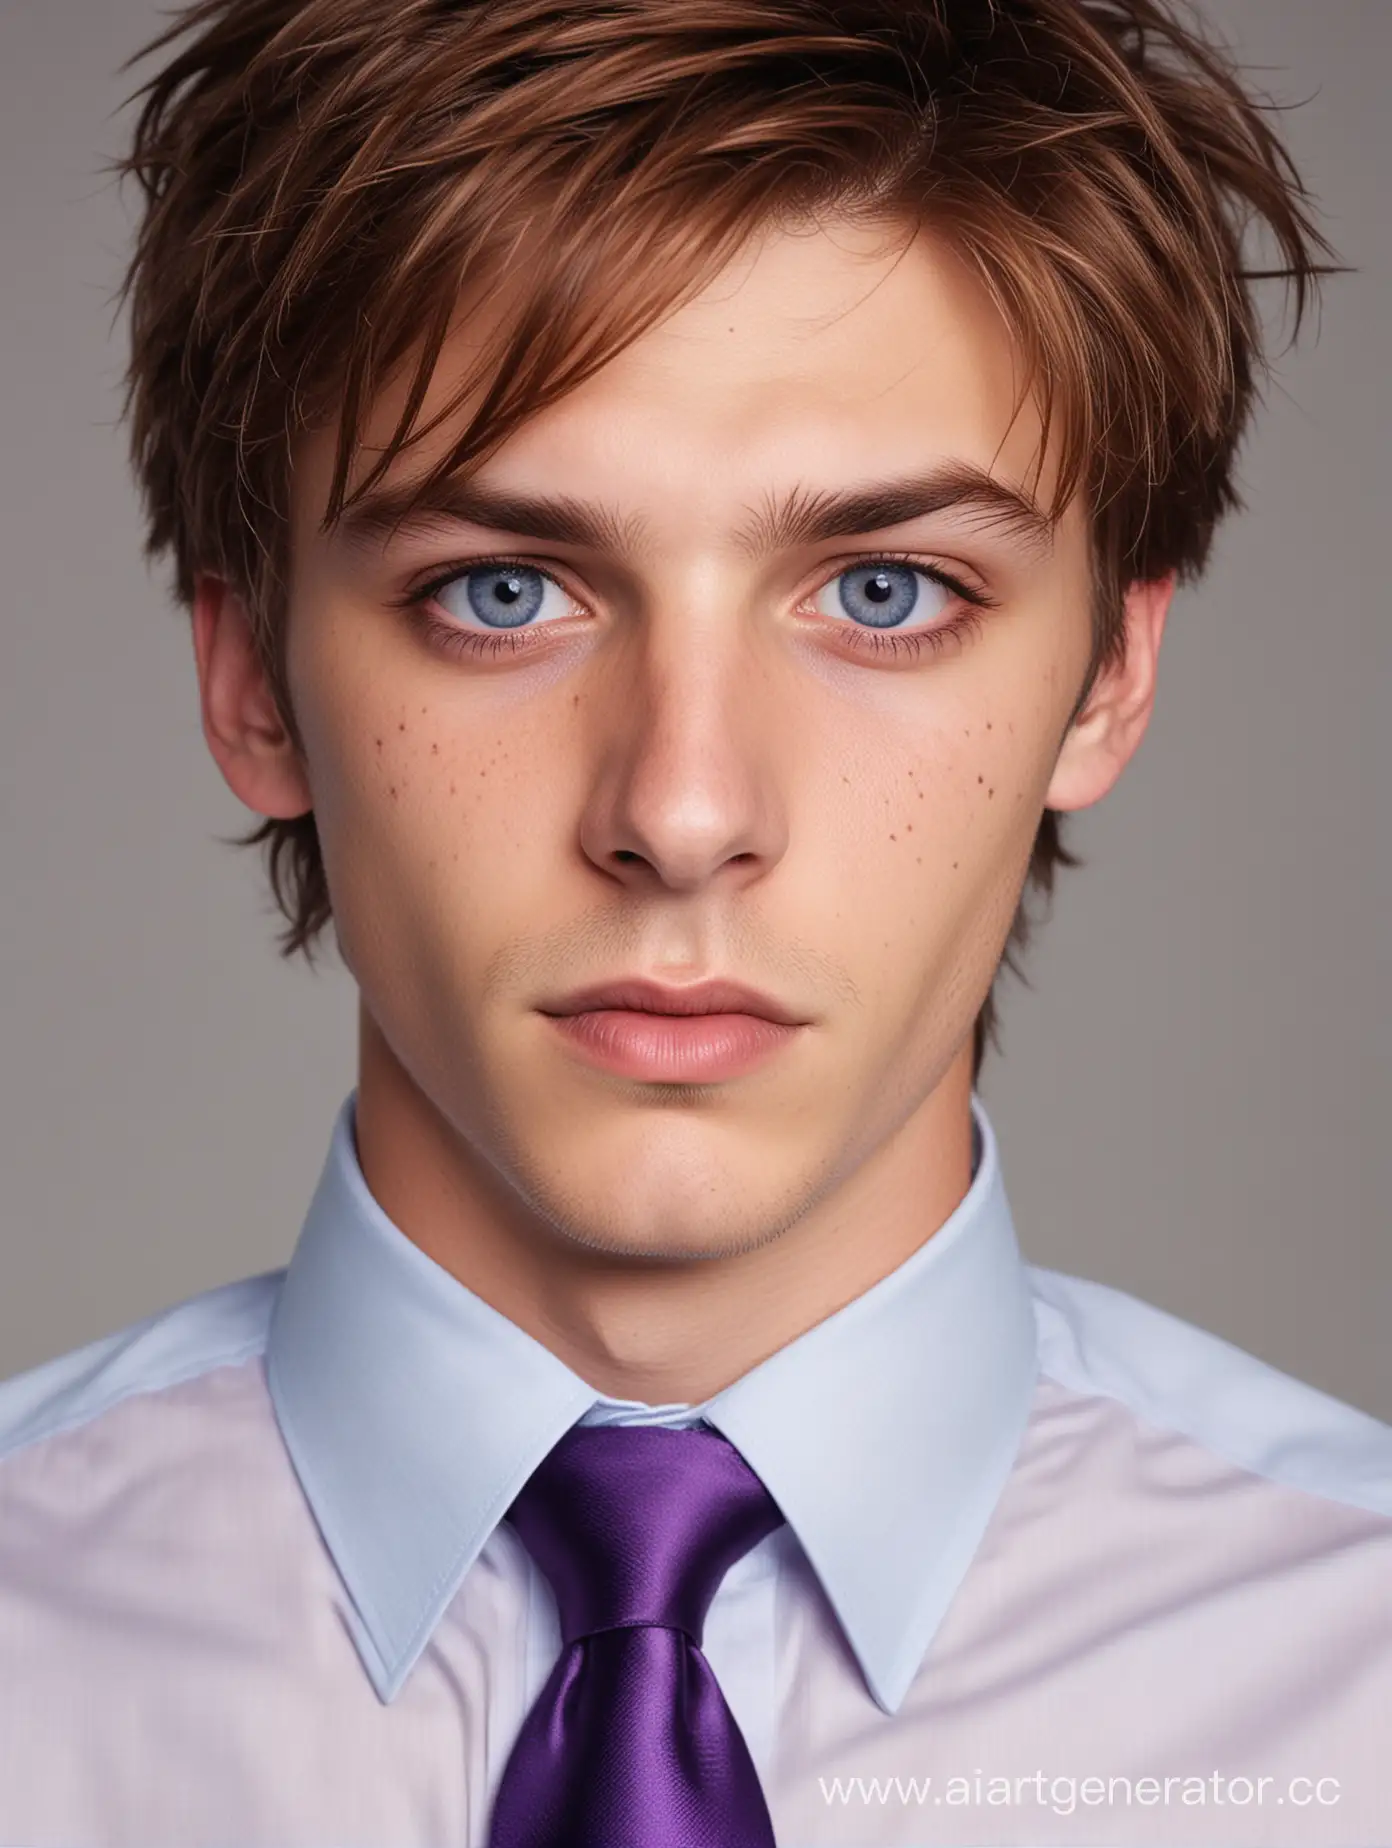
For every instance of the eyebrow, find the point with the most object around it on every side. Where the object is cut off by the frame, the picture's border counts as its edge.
(802, 516)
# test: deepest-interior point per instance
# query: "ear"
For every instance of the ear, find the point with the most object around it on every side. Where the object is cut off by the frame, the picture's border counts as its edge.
(245, 733)
(1104, 737)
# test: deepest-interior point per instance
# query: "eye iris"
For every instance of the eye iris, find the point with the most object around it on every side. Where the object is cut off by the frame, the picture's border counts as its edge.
(881, 595)
(505, 596)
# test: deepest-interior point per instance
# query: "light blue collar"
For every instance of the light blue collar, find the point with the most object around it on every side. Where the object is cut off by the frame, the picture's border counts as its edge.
(413, 1413)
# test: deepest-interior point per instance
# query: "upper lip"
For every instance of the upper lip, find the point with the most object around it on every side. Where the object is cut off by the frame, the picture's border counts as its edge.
(712, 997)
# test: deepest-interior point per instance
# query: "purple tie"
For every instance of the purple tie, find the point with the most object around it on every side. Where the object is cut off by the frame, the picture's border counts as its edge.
(630, 1743)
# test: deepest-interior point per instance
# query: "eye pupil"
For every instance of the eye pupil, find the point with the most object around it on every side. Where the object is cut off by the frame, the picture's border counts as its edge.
(879, 589)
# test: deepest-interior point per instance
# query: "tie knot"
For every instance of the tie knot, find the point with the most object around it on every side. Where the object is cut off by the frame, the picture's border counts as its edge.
(638, 1524)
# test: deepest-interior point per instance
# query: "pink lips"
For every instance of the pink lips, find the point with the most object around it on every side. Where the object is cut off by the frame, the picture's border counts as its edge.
(697, 1034)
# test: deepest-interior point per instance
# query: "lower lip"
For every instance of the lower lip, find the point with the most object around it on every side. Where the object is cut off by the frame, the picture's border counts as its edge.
(676, 1048)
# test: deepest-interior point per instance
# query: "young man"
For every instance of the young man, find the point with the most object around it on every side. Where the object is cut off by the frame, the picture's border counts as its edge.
(676, 499)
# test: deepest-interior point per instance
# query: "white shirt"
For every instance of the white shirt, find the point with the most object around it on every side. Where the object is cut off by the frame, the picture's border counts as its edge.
(1057, 1568)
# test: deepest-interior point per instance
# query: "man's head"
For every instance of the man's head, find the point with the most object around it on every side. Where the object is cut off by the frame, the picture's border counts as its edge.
(842, 389)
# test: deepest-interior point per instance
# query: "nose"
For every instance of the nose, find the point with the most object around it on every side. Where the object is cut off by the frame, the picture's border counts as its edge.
(686, 787)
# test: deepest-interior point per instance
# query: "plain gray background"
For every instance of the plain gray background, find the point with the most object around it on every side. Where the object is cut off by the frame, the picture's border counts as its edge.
(1193, 1097)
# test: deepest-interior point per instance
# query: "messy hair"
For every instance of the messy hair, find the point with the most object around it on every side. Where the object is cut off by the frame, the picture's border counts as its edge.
(320, 178)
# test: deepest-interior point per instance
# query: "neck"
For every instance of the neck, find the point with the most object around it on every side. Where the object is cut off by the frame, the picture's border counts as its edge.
(652, 1330)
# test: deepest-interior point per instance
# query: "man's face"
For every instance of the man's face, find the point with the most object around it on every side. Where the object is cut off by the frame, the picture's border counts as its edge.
(696, 750)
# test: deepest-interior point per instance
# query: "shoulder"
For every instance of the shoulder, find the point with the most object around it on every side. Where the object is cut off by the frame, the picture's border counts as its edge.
(154, 1544)
(1173, 1377)
(222, 1327)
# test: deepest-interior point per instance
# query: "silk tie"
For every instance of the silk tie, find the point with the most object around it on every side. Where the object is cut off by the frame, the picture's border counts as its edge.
(630, 1743)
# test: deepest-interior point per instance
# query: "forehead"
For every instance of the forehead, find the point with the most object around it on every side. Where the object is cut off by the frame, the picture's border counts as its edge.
(818, 356)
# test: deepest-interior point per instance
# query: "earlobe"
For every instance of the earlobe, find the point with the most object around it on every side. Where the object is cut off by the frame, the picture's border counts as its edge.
(244, 730)
(1107, 732)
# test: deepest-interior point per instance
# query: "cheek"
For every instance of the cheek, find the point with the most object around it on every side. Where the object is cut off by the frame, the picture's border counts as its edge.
(933, 838)
(927, 809)
(415, 790)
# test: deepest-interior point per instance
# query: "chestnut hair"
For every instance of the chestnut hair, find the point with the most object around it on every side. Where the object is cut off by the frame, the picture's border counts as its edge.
(322, 178)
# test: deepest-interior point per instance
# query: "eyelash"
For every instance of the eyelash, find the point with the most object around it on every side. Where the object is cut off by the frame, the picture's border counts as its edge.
(456, 641)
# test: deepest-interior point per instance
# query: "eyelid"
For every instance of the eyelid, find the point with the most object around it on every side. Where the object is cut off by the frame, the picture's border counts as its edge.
(497, 561)
(976, 595)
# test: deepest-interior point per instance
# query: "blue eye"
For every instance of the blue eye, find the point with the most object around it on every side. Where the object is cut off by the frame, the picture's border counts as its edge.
(882, 594)
(503, 596)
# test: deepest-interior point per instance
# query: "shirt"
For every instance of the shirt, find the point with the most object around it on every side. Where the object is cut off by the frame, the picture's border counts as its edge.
(1057, 1567)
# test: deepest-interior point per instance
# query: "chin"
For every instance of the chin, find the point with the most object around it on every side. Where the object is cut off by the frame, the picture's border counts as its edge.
(647, 1238)
(669, 1190)
(677, 1249)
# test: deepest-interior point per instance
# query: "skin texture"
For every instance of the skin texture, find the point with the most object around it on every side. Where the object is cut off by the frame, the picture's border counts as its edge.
(691, 772)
